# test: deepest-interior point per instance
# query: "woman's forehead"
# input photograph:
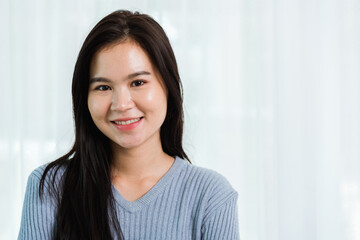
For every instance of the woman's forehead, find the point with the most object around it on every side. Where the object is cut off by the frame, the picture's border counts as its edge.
(122, 58)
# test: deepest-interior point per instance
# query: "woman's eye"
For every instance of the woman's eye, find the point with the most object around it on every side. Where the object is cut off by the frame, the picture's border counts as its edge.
(103, 88)
(137, 83)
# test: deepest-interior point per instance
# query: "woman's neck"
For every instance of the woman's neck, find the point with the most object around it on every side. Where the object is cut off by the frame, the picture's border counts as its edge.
(139, 163)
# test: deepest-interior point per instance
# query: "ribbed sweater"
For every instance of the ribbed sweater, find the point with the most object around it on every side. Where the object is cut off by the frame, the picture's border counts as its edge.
(188, 202)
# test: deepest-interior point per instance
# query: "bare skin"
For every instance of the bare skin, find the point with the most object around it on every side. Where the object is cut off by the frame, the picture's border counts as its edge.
(125, 85)
(134, 176)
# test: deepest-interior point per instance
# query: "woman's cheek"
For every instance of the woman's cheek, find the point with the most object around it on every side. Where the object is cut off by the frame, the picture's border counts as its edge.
(96, 107)
(156, 95)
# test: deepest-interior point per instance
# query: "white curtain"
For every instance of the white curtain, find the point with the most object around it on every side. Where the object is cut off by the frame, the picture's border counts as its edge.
(272, 101)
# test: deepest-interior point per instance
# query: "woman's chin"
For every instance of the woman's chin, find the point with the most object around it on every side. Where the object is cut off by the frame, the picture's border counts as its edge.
(126, 145)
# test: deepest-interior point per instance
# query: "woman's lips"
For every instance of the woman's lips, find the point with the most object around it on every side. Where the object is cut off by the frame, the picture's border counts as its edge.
(128, 124)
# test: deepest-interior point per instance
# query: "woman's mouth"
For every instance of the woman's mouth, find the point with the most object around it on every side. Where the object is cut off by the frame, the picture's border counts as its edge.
(127, 125)
(128, 121)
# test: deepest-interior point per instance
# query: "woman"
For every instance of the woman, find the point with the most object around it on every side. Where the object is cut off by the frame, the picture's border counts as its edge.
(126, 177)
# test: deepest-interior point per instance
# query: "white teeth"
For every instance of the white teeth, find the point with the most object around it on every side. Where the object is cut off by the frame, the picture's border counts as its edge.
(127, 122)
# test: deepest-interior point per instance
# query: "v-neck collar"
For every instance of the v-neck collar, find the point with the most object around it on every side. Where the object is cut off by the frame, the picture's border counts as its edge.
(138, 204)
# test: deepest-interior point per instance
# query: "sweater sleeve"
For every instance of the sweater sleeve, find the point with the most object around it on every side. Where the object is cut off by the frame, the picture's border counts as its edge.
(222, 223)
(38, 215)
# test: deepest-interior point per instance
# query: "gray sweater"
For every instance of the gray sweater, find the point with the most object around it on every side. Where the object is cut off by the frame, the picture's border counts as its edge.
(188, 202)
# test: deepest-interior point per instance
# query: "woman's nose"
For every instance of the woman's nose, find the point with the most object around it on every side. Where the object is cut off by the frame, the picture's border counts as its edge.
(121, 100)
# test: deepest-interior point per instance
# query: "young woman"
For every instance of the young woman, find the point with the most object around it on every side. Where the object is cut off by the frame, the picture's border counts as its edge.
(126, 176)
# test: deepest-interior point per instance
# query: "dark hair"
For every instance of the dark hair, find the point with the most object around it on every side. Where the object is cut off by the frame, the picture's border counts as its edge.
(83, 213)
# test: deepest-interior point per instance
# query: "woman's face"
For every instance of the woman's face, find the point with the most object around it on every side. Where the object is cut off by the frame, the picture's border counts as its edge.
(127, 100)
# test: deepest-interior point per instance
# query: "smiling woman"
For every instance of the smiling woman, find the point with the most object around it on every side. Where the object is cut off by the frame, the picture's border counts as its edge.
(128, 101)
(126, 176)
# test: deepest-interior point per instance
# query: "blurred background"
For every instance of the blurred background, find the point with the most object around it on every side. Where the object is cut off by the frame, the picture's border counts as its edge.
(272, 102)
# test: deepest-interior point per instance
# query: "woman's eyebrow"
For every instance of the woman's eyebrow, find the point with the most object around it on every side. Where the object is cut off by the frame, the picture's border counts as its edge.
(130, 76)
(99, 79)
(135, 74)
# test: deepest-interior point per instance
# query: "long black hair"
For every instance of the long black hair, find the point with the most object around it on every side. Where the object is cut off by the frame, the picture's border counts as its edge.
(86, 206)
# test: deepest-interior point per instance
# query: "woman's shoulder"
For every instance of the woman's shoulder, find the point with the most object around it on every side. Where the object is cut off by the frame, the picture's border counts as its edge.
(207, 189)
(207, 176)
(209, 182)
(39, 210)
(53, 175)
